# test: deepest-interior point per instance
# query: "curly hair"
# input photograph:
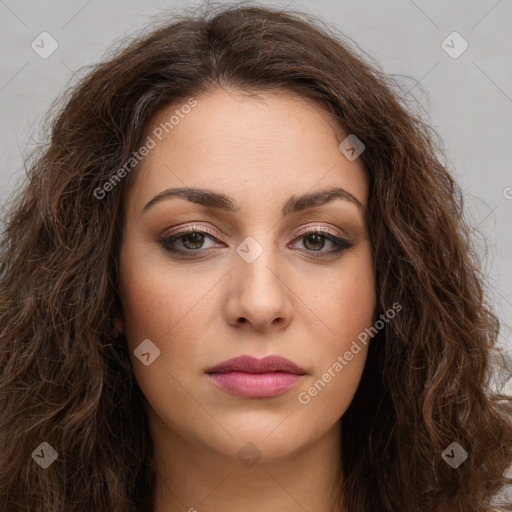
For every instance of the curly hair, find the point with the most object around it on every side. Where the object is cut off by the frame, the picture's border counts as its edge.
(66, 378)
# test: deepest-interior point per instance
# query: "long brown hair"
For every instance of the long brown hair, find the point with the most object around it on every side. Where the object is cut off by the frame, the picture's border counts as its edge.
(66, 378)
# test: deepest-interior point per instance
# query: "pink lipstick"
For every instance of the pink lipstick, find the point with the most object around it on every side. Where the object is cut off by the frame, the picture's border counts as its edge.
(256, 378)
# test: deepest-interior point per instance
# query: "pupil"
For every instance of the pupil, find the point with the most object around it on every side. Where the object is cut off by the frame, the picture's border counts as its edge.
(196, 239)
(318, 238)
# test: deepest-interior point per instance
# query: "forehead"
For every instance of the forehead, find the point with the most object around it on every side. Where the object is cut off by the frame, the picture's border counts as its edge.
(257, 147)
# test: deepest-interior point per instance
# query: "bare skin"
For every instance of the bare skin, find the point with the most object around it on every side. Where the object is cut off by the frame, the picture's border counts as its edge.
(260, 152)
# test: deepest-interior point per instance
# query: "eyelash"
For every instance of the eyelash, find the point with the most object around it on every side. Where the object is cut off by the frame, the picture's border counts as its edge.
(341, 243)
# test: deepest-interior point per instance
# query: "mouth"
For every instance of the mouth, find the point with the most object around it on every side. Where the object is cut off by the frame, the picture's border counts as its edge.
(256, 378)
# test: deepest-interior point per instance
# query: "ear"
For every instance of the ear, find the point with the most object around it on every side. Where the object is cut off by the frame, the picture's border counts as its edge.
(118, 327)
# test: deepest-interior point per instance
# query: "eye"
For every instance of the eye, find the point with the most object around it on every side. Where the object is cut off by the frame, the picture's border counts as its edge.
(193, 238)
(315, 241)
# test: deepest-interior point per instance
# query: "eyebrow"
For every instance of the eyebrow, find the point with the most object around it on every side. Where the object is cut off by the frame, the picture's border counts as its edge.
(221, 201)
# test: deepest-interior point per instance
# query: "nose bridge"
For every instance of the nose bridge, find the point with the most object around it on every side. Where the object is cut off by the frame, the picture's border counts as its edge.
(258, 259)
(258, 283)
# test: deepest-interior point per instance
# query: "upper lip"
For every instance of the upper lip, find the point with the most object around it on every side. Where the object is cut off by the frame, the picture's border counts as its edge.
(250, 364)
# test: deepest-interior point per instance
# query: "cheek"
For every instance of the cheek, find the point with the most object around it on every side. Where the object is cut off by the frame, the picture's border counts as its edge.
(161, 306)
(347, 308)
(348, 299)
(356, 301)
(158, 301)
(171, 308)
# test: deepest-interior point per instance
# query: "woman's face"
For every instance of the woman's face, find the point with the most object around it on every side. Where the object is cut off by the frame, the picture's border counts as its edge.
(257, 279)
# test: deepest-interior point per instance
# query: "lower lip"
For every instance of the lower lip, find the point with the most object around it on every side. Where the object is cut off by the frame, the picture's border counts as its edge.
(255, 385)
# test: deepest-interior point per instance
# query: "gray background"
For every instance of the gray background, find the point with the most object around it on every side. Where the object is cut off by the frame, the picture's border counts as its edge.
(468, 100)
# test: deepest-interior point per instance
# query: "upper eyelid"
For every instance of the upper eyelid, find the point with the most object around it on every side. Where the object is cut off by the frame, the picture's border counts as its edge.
(197, 228)
(189, 229)
(317, 229)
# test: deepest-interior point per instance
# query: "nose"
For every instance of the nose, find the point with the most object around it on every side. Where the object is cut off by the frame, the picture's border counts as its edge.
(259, 298)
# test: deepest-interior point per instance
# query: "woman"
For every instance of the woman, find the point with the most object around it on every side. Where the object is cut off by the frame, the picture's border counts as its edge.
(238, 278)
